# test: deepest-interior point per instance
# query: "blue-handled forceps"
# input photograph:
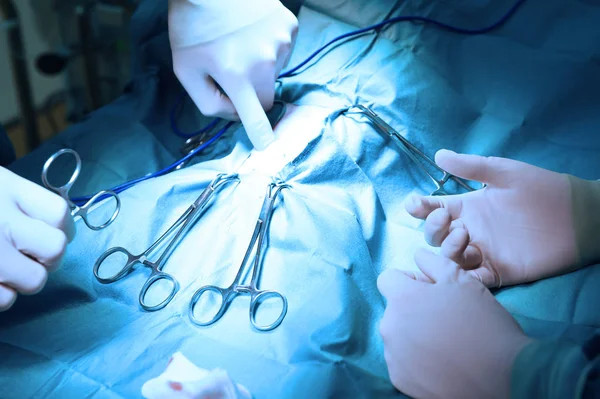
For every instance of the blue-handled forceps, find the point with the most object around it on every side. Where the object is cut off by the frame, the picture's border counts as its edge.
(236, 288)
(182, 225)
(416, 155)
(63, 191)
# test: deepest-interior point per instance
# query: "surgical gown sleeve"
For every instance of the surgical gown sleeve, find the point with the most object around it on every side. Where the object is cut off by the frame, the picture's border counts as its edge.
(559, 369)
(556, 369)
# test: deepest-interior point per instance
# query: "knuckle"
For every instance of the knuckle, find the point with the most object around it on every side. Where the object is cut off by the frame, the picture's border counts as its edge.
(211, 105)
(36, 281)
(58, 247)
(6, 232)
(440, 216)
(60, 208)
(61, 242)
(384, 327)
(492, 162)
(293, 22)
(7, 299)
(230, 65)
(492, 159)
(448, 264)
(233, 71)
(397, 380)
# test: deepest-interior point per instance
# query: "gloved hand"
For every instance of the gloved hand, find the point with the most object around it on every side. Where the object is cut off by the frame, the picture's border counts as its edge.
(520, 228)
(447, 338)
(35, 226)
(239, 46)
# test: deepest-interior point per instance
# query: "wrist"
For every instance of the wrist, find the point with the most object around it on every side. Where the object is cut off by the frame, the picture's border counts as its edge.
(193, 22)
(512, 353)
(585, 199)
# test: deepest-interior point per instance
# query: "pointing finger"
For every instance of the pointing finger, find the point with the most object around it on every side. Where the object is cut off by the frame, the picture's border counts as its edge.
(455, 244)
(8, 296)
(250, 110)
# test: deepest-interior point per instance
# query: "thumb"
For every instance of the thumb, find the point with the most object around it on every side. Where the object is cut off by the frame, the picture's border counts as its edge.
(250, 110)
(437, 268)
(393, 281)
(489, 170)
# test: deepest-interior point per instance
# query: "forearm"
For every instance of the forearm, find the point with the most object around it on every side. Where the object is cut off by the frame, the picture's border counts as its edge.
(554, 369)
(586, 219)
(192, 22)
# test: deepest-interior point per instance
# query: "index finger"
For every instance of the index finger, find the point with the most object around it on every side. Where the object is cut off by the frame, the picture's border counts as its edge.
(44, 205)
(421, 206)
(251, 113)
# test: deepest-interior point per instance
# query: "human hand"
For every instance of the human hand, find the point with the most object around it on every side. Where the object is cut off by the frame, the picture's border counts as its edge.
(228, 54)
(35, 227)
(449, 337)
(518, 229)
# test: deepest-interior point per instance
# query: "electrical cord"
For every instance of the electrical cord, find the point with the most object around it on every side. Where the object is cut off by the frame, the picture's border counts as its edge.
(122, 187)
(292, 72)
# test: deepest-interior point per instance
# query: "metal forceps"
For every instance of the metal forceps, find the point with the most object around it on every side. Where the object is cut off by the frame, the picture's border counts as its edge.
(236, 288)
(182, 225)
(416, 155)
(63, 191)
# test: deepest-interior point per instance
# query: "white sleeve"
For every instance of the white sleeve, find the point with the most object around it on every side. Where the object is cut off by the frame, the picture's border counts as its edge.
(192, 22)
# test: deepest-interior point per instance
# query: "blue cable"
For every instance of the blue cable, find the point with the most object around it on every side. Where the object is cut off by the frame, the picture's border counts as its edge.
(382, 24)
(289, 73)
(122, 187)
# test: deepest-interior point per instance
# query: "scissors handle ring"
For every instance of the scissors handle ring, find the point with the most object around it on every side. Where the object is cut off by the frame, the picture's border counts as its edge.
(157, 276)
(83, 210)
(257, 298)
(64, 189)
(131, 260)
(225, 300)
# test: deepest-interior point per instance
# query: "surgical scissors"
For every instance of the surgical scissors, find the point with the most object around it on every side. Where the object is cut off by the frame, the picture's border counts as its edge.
(236, 288)
(63, 191)
(413, 152)
(182, 224)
